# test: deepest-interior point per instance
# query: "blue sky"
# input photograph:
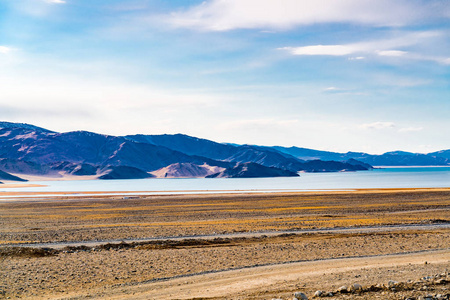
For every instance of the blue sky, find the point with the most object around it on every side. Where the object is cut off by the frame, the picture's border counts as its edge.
(348, 75)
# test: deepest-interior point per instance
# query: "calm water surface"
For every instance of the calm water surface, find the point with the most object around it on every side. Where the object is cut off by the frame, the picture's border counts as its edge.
(401, 177)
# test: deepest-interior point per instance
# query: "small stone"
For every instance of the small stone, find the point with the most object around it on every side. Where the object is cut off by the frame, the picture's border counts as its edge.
(343, 289)
(300, 296)
(356, 287)
(392, 283)
(319, 293)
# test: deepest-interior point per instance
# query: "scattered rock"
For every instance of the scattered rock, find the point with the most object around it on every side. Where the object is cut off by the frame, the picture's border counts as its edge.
(392, 283)
(300, 296)
(343, 289)
(319, 294)
(356, 287)
(426, 283)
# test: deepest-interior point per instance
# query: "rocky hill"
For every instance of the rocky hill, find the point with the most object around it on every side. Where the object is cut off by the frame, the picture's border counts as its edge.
(250, 170)
(187, 170)
(9, 177)
(395, 158)
(30, 150)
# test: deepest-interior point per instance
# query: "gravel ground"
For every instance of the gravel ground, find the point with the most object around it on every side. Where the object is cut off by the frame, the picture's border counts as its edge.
(83, 270)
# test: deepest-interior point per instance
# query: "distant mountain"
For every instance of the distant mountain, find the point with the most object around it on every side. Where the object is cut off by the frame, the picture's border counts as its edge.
(333, 166)
(394, 158)
(124, 172)
(250, 170)
(7, 176)
(310, 154)
(45, 148)
(23, 167)
(442, 153)
(10, 125)
(187, 170)
(187, 144)
(30, 150)
(222, 152)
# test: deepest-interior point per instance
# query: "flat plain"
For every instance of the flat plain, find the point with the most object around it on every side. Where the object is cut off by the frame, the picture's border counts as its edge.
(404, 228)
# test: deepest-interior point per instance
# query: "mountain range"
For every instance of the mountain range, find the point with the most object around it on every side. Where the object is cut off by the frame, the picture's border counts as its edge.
(28, 150)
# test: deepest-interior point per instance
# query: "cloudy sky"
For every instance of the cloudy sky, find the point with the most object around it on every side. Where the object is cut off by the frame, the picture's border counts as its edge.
(340, 75)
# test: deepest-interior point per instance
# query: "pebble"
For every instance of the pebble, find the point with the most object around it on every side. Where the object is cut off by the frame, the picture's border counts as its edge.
(355, 287)
(300, 296)
(392, 283)
(319, 293)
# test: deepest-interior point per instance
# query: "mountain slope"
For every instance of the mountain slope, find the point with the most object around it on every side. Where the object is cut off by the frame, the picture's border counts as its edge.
(250, 170)
(442, 153)
(204, 148)
(394, 158)
(10, 125)
(187, 144)
(19, 144)
(7, 176)
(32, 150)
(187, 170)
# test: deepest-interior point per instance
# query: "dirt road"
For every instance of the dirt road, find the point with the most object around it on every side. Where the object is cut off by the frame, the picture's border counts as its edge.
(251, 283)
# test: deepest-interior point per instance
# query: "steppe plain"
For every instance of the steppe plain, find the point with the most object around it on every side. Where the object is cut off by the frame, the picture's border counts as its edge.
(228, 246)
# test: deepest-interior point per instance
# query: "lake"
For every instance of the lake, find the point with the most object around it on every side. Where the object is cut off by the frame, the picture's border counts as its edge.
(390, 177)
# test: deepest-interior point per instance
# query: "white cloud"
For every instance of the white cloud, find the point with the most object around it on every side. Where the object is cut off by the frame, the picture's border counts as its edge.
(356, 58)
(379, 48)
(223, 15)
(56, 1)
(410, 129)
(395, 53)
(335, 50)
(5, 50)
(332, 88)
(343, 91)
(378, 125)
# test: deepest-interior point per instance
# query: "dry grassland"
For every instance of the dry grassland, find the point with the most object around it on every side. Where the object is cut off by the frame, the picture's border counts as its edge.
(99, 270)
(103, 217)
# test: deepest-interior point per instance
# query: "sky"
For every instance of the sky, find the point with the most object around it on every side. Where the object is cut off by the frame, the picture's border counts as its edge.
(336, 75)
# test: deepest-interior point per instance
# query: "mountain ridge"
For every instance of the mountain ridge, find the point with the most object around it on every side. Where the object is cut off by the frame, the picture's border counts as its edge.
(29, 149)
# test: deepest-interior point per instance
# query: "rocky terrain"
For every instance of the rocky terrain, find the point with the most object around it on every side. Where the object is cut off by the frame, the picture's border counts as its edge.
(248, 267)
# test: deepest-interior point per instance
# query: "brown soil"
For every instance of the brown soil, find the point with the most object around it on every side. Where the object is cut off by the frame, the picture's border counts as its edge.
(110, 271)
(71, 218)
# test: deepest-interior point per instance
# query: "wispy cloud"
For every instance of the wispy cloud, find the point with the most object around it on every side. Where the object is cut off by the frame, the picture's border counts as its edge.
(388, 47)
(334, 50)
(221, 15)
(5, 50)
(56, 1)
(337, 90)
(389, 125)
(356, 58)
(395, 53)
(378, 125)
